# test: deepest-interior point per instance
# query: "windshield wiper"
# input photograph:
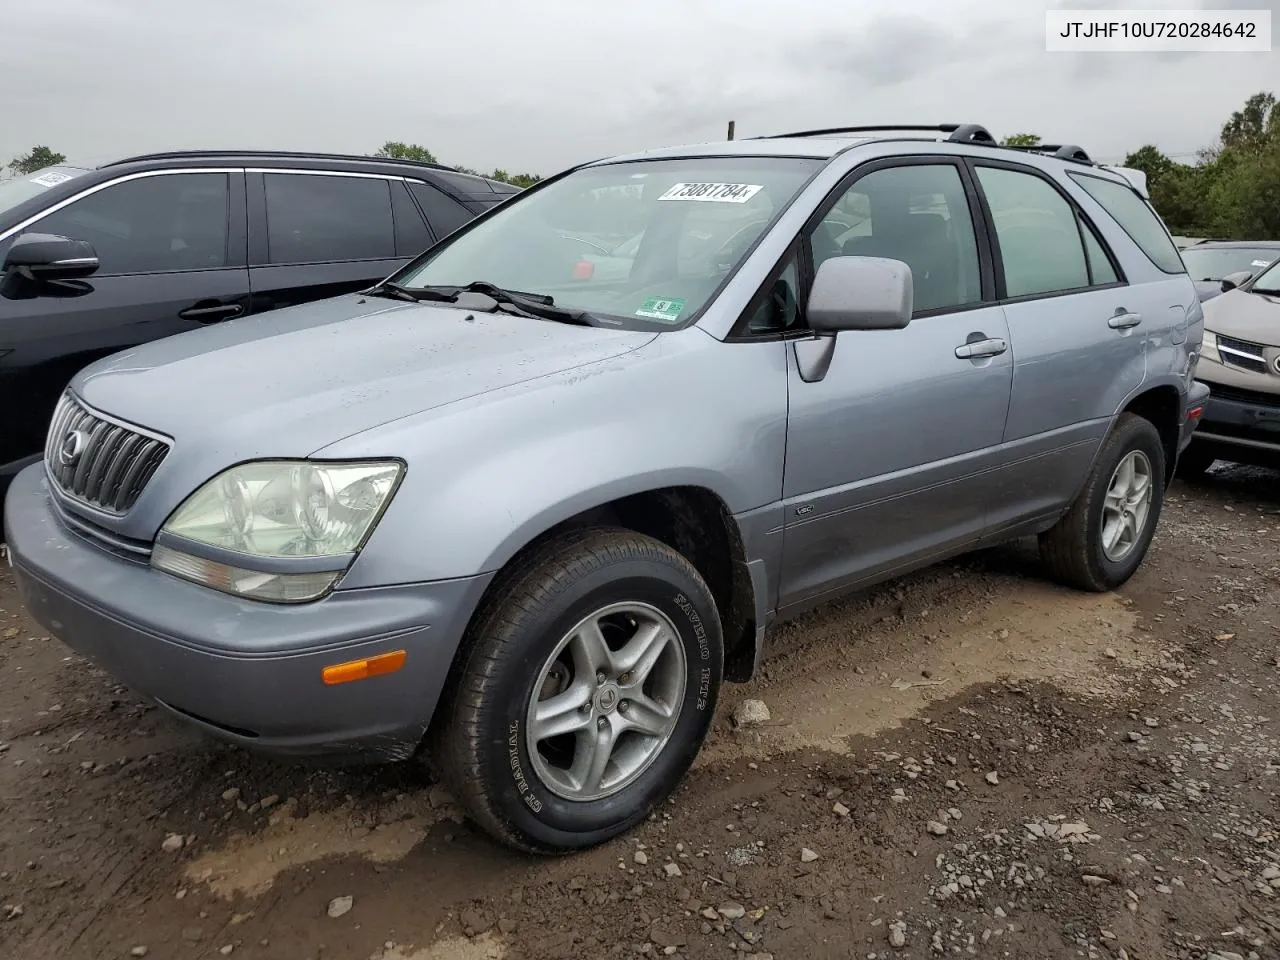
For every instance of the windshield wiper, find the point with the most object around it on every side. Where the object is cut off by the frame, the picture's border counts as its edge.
(536, 305)
(1266, 291)
(394, 291)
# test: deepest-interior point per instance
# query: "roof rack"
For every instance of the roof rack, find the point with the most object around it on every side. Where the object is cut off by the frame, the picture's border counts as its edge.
(957, 132)
(296, 154)
(1061, 151)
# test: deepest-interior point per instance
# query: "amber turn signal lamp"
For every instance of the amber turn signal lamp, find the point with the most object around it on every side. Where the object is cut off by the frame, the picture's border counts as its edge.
(361, 669)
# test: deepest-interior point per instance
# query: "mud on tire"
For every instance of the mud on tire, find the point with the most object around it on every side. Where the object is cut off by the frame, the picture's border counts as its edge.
(1075, 549)
(541, 795)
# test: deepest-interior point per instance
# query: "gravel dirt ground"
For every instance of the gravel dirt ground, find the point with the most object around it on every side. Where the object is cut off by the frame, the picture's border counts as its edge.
(965, 762)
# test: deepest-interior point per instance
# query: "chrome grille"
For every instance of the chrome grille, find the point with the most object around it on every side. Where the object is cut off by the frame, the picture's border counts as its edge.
(1242, 354)
(99, 461)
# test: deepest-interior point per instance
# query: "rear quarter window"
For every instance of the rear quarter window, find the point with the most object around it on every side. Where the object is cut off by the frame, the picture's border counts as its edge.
(444, 213)
(1136, 218)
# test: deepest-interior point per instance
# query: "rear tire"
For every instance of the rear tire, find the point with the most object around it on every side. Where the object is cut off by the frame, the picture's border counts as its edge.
(609, 636)
(1103, 538)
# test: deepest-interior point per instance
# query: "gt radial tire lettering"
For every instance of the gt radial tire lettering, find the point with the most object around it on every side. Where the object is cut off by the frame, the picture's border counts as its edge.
(699, 631)
(517, 772)
(704, 687)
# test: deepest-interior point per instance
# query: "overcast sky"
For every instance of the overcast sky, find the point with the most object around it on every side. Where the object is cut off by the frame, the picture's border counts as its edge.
(538, 87)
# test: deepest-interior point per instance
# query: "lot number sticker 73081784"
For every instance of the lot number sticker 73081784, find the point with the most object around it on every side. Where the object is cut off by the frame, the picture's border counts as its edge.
(713, 192)
(51, 179)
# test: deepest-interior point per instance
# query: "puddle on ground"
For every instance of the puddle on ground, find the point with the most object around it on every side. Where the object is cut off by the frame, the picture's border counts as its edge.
(844, 681)
(249, 864)
(483, 947)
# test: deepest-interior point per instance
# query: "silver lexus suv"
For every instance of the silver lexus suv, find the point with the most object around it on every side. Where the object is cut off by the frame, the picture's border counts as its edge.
(522, 507)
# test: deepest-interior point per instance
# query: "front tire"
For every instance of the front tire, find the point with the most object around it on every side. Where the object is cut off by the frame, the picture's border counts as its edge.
(1103, 538)
(588, 686)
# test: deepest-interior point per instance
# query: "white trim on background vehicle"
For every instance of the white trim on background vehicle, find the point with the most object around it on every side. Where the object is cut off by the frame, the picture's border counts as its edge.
(334, 173)
(89, 191)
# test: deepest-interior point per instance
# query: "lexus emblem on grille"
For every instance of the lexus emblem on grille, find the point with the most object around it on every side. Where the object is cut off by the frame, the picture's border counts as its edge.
(1276, 364)
(72, 446)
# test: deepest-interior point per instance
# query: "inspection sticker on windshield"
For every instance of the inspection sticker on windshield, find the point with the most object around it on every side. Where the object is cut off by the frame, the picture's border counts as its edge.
(50, 179)
(1259, 263)
(657, 308)
(714, 192)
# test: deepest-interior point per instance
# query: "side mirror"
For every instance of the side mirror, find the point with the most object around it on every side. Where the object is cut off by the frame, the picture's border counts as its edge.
(1233, 280)
(860, 293)
(43, 256)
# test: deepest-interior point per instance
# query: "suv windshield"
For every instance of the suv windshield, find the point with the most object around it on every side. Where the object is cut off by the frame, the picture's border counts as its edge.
(1217, 262)
(643, 245)
(21, 189)
(1268, 282)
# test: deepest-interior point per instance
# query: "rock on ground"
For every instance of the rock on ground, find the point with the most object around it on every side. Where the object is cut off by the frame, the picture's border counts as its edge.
(750, 713)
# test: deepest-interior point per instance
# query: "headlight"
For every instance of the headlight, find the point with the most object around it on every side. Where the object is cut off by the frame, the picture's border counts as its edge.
(282, 530)
(1209, 347)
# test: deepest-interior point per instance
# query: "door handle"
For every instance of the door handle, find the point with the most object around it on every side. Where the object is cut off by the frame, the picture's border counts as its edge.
(208, 314)
(978, 349)
(1123, 320)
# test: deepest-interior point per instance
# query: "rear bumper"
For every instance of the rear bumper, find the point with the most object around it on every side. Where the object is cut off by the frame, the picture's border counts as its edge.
(1241, 423)
(247, 672)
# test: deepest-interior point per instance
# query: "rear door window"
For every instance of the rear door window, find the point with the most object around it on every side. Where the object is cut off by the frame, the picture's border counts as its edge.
(323, 218)
(444, 213)
(1101, 270)
(1040, 244)
(412, 235)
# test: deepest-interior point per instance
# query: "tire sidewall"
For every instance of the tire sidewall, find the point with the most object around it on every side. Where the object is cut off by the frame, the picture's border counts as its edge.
(519, 795)
(1137, 435)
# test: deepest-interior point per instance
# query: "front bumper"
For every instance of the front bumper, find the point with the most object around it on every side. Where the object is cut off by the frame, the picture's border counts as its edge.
(245, 671)
(1241, 423)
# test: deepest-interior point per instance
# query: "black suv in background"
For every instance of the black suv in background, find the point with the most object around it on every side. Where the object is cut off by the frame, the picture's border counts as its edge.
(101, 257)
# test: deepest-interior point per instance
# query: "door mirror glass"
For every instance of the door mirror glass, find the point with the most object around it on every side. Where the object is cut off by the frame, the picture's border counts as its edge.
(43, 256)
(860, 293)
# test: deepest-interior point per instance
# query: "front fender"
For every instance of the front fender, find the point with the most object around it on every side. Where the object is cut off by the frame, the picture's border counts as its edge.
(488, 475)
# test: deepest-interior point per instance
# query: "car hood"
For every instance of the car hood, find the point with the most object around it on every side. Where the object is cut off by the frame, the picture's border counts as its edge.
(1246, 316)
(295, 380)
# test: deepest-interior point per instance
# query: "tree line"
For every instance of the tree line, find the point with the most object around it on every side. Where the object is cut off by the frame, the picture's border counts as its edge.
(412, 151)
(37, 158)
(1231, 192)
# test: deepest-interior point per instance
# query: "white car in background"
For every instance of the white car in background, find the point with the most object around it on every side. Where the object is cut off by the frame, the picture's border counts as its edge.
(1221, 265)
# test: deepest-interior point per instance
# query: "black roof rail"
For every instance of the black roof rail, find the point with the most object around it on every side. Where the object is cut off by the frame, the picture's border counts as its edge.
(971, 133)
(1061, 151)
(963, 132)
(293, 154)
(1069, 151)
(974, 133)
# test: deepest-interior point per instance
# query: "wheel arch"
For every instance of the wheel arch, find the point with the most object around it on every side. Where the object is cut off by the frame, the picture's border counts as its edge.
(692, 519)
(1160, 403)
